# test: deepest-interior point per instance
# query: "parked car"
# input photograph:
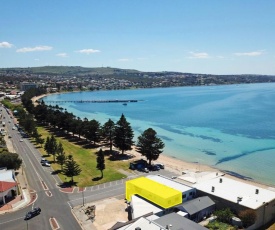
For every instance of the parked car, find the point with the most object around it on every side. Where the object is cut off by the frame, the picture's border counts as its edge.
(160, 165)
(145, 170)
(154, 168)
(46, 163)
(43, 160)
(32, 213)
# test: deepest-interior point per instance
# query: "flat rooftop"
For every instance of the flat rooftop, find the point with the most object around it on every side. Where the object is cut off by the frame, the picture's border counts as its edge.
(142, 207)
(232, 190)
(170, 183)
(155, 192)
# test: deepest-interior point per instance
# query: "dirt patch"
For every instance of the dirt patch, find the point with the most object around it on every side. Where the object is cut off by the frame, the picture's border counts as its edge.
(107, 213)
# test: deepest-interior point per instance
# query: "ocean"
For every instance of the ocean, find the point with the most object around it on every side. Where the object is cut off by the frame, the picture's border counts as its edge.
(229, 127)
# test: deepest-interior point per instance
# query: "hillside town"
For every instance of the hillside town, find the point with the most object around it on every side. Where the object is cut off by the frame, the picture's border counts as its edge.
(149, 197)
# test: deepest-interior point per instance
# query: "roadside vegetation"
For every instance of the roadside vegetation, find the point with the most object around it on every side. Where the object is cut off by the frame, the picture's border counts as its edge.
(85, 158)
(73, 146)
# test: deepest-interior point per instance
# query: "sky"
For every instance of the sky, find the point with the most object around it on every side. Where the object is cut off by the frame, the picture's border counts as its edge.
(195, 36)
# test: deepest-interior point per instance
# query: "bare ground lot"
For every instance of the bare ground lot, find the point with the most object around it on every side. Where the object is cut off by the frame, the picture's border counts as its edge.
(107, 213)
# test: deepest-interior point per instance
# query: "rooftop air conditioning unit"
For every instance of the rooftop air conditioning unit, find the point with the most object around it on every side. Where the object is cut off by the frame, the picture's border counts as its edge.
(213, 189)
(239, 199)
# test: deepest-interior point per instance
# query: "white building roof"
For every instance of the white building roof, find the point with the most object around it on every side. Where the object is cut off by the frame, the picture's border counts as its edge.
(142, 207)
(6, 175)
(233, 190)
(170, 183)
(143, 223)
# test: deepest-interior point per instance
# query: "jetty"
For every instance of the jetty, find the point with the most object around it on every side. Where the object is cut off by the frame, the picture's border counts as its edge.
(93, 101)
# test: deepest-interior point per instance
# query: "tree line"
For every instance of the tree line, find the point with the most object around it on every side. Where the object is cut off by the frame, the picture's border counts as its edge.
(118, 134)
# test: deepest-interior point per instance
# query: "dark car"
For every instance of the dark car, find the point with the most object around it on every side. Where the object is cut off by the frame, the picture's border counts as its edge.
(160, 165)
(155, 168)
(32, 213)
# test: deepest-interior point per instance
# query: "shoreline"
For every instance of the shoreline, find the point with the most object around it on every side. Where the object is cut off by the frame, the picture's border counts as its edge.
(177, 165)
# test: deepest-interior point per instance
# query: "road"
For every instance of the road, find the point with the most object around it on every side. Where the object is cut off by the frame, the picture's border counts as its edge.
(52, 206)
(48, 197)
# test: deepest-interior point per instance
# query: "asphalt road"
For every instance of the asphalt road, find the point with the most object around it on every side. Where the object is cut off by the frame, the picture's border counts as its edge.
(52, 206)
(58, 205)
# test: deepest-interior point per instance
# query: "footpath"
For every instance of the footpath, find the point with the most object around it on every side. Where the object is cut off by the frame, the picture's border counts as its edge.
(25, 195)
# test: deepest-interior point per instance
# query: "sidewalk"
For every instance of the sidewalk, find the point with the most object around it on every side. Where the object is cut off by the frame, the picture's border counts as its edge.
(24, 197)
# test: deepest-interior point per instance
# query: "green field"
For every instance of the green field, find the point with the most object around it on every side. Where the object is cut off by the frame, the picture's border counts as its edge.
(86, 158)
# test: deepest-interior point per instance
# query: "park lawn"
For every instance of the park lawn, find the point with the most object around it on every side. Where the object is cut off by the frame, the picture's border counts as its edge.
(86, 158)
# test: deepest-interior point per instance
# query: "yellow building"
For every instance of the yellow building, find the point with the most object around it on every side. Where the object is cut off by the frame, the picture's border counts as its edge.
(153, 191)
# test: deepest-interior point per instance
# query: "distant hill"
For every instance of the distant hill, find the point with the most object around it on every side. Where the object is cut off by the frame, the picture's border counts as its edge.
(138, 78)
(70, 70)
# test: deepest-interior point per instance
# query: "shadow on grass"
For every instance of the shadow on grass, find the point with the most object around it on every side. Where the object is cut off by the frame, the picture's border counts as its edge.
(56, 172)
(71, 138)
(97, 178)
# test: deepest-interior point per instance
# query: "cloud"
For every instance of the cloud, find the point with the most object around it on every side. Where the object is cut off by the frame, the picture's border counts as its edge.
(251, 54)
(62, 55)
(5, 45)
(88, 51)
(198, 55)
(124, 59)
(34, 49)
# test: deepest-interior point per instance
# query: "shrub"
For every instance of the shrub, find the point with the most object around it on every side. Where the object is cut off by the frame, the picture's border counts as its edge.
(248, 217)
(224, 215)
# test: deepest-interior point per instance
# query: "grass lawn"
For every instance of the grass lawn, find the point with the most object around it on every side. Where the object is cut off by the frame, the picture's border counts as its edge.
(86, 158)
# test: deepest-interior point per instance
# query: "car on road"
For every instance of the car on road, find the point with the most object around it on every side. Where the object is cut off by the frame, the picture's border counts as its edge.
(21, 140)
(34, 212)
(13, 128)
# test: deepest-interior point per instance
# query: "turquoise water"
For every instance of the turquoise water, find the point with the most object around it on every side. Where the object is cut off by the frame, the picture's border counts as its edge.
(229, 127)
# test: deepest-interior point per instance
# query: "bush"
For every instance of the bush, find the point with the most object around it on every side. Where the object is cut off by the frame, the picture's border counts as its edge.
(248, 217)
(224, 215)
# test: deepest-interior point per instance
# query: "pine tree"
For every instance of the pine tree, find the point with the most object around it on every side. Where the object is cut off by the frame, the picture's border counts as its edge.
(71, 168)
(47, 145)
(53, 147)
(149, 145)
(123, 135)
(108, 133)
(61, 159)
(100, 161)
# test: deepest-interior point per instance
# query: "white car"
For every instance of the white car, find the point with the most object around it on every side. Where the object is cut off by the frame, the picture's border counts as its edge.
(46, 164)
(21, 140)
